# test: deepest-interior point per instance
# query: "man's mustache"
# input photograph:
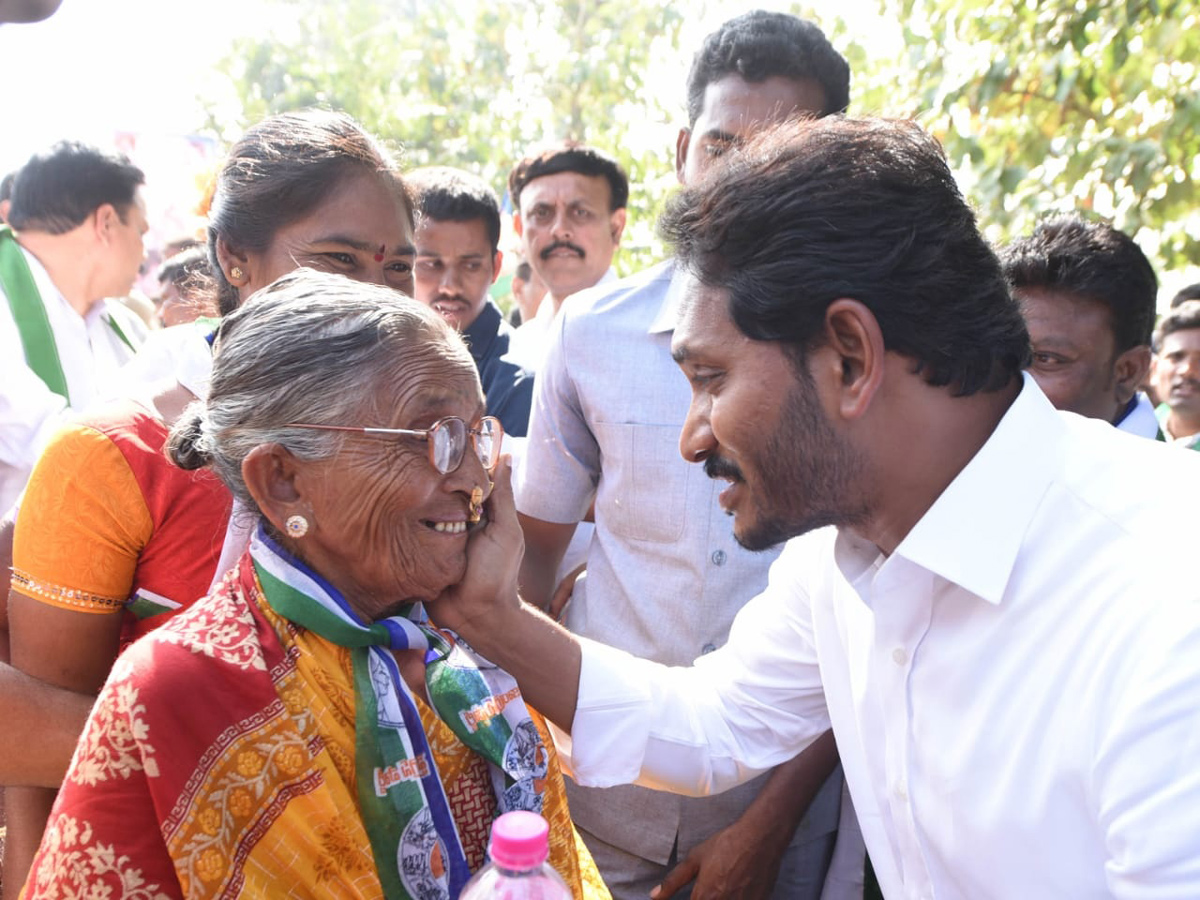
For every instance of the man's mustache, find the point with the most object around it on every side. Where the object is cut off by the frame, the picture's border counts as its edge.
(562, 245)
(716, 467)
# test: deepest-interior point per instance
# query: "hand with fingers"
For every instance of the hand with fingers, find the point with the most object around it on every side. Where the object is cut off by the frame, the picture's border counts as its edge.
(494, 550)
(563, 593)
(733, 864)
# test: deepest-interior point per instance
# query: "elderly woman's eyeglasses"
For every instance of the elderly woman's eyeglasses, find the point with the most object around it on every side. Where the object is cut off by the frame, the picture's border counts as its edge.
(447, 439)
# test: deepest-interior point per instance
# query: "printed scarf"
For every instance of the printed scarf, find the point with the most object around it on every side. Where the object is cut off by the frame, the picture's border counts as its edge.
(407, 815)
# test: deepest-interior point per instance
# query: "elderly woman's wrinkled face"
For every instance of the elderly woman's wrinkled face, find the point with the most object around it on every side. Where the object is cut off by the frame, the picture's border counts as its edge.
(361, 231)
(389, 528)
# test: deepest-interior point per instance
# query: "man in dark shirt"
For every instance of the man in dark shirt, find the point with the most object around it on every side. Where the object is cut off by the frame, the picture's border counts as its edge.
(457, 238)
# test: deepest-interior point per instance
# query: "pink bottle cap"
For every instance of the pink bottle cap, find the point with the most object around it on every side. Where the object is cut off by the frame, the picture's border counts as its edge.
(520, 840)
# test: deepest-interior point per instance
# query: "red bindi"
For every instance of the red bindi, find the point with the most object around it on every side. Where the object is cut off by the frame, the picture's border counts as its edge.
(379, 254)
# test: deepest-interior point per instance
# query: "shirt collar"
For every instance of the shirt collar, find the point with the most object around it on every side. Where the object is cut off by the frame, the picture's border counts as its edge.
(668, 310)
(972, 534)
(51, 294)
(1139, 418)
(480, 334)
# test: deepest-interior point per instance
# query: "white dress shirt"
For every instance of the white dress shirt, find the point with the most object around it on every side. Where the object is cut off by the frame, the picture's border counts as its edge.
(90, 353)
(1015, 691)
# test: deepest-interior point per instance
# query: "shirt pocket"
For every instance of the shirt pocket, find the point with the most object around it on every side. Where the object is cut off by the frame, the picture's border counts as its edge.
(642, 495)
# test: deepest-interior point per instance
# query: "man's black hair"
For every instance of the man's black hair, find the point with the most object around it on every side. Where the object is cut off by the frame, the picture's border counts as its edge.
(524, 270)
(822, 209)
(444, 194)
(759, 45)
(58, 189)
(187, 269)
(6, 186)
(1092, 261)
(1183, 317)
(571, 156)
(1184, 294)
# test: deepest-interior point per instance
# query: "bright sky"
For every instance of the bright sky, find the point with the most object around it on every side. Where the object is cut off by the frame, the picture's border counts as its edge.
(101, 66)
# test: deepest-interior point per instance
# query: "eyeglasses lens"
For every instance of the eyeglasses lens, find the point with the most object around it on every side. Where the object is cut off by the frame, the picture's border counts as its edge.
(487, 443)
(449, 443)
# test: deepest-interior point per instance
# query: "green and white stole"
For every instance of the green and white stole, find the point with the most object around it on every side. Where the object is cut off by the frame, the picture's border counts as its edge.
(413, 836)
(29, 314)
(37, 337)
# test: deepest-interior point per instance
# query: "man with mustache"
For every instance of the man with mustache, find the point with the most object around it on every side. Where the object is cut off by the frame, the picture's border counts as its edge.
(1176, 374)
(665, 576)
(1088, 295)
(458, 260)
(967, 599)
(570, 213)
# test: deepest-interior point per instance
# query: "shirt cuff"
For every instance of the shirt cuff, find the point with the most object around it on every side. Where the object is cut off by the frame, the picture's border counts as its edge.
(612, 718)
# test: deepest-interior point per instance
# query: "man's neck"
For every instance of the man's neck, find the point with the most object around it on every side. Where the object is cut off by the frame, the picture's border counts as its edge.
(555, 302)
(61, 256)
(932, 438)
(1181, 425)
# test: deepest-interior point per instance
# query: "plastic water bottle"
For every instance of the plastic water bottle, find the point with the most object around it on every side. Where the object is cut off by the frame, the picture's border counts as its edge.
(518, 870)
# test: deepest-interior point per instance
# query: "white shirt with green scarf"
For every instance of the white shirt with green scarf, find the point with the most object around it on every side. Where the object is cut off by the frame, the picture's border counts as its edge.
(90, 351)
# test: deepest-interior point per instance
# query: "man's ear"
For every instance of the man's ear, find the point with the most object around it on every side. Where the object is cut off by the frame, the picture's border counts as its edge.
(270, 473)
(496, 261)
(518, 225)
(104, 220)
(854, 344)
(1131, 371)
(228, 259)
(616, 223)
(682, 143)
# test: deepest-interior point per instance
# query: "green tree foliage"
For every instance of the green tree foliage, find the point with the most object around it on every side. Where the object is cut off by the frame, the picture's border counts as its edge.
(478, 85)
(1045, 106)
(1058, 106)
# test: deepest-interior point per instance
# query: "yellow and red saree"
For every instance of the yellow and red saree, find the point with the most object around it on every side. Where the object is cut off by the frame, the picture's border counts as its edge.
(227, 755)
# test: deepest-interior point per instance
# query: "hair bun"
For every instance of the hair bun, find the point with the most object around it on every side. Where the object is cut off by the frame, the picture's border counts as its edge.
(186, 445)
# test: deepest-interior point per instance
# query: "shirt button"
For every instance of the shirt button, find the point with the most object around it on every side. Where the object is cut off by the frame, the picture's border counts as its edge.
(901, 792)
(899, 656)
(708, 648)
(718, 557)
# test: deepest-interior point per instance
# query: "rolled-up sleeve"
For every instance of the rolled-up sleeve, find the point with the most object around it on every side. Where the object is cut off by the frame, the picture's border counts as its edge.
(745, 708)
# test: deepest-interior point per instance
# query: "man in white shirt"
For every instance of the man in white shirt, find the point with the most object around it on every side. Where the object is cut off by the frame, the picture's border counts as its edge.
(1176, 374)
(1089, 296)
(1014, 690)
(77, 220)
(570, 213)
(665, 576)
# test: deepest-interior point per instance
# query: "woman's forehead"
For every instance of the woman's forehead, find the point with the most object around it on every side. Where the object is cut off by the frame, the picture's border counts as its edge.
(433, 387)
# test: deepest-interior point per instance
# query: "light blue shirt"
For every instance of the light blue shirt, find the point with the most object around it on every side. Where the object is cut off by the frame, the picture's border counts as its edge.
(665, 576)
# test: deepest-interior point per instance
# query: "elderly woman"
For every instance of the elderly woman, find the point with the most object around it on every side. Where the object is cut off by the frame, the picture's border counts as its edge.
(111, 539)
(306, 724)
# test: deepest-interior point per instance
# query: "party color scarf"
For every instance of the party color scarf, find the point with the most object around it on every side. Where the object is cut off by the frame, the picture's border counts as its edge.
(407, 815)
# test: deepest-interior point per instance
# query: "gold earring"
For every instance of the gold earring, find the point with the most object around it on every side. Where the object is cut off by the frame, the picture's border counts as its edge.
(475, 513)
(237, 273)
(297, 526)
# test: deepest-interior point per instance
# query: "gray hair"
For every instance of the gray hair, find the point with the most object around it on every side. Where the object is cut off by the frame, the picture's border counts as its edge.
(307, 348)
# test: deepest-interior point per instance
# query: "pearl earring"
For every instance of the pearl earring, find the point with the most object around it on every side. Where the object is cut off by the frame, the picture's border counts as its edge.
(297, 526)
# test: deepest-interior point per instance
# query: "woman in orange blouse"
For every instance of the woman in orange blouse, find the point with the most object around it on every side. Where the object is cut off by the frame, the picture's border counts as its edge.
(97, 554)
